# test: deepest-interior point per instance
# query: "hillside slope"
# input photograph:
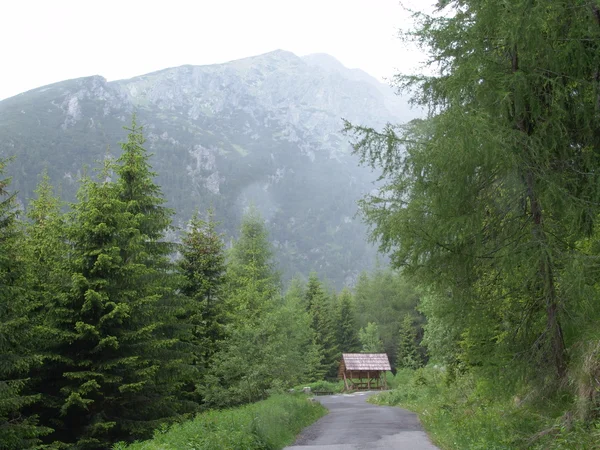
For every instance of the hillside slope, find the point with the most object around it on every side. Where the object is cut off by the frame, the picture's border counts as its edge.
(262, 130)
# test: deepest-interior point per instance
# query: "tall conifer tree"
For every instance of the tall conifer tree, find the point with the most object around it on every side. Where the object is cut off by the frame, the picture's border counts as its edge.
(251, 276)
(119, 372)
(243, 369)
(408, 353)
(319, 309)
(347, 328)
(156, 286)
(46, 248)
(17, 431)
(202, 266)
(47, 254)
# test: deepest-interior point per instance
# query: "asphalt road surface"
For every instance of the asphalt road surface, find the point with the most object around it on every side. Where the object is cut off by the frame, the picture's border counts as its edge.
(354, 424)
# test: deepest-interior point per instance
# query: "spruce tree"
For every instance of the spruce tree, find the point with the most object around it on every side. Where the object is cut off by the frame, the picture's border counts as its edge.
(119, 370)
(46, 248)
(295, 301)
(275, 351)
(244, 367)
(347, 329)
(408, 355)
(47, 254)
(296, 291)
(202, 267)
(17, 431)
(318, 307)
(157, 281)
(252, 280)
(291, 352)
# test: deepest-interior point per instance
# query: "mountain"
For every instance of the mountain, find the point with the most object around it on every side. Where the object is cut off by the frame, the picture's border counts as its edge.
(262, 130)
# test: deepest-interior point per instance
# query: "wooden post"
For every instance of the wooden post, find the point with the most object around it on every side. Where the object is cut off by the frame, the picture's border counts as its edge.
(368, 380)
(346, 381)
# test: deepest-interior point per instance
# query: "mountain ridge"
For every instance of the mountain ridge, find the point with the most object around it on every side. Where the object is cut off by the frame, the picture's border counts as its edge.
(263, 130)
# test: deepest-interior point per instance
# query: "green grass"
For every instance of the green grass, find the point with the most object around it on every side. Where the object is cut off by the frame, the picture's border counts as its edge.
(478, 414)
(270, 424)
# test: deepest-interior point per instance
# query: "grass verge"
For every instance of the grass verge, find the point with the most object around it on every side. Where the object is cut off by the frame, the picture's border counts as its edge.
(476, 414)
(269, 424)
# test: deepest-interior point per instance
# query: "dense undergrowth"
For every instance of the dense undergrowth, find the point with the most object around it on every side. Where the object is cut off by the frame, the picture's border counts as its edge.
(267, 425)
(479, 414)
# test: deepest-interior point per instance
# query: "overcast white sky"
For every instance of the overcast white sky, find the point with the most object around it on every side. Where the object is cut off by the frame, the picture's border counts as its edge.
(44, 41)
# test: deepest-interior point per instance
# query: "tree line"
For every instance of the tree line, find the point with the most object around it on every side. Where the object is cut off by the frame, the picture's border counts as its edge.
(109, 331)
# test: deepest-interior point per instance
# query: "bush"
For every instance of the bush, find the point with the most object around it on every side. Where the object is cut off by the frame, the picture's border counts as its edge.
(392, 381)
(269, 424)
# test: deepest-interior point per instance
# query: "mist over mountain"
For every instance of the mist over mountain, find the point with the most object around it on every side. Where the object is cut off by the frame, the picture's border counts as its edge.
(263, 130)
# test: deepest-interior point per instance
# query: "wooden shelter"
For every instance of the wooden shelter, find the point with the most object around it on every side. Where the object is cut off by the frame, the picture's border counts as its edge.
(362, 371)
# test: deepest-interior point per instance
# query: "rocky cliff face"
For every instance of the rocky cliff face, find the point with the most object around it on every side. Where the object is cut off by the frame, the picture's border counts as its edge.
(262, 130)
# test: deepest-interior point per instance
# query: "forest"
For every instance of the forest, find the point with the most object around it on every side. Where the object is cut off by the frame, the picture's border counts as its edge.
(110, 332)
(488, 209)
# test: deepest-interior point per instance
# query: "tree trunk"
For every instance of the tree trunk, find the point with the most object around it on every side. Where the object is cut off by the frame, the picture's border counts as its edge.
(549, 295)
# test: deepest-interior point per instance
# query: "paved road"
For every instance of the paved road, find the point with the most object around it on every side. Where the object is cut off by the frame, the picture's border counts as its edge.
(354, 424)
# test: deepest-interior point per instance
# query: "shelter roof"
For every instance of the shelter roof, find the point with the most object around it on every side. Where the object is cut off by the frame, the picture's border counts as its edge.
(366, 361)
